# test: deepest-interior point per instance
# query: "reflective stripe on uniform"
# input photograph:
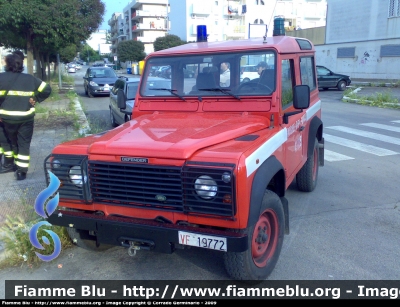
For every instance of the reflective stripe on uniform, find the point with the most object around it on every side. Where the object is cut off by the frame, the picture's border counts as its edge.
(42, 86)
(2, 93)
(17, 113)
(20, 93)
(21, 164)
(22, 157)
(8, 154)
(1, 151)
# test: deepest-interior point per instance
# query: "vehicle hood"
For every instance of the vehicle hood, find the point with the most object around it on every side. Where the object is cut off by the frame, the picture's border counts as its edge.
(103, 80)
(175, 136)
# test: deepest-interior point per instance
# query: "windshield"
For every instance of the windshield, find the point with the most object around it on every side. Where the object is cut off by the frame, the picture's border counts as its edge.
(103, 73)
(238, 75)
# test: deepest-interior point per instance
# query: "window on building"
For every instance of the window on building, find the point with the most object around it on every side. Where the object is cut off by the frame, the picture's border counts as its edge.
(390, 50)
(347, 52)
(394, 8)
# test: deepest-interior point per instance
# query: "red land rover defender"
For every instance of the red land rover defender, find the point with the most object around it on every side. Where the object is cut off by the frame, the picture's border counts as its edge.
(200, 164)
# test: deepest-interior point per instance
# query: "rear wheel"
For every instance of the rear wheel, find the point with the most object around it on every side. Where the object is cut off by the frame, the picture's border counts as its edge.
(341, 85)
(83, 239)
(265, 239)
(306, 178)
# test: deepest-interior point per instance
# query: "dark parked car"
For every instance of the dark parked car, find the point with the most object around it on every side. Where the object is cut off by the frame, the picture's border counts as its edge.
(123, 93)
(99, 80)
(328, 79)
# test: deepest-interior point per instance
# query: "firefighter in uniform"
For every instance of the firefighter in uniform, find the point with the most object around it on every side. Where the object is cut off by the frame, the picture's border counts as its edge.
(19, 92)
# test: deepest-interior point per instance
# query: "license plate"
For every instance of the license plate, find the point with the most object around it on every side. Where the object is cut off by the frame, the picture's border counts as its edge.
(106, 89)
(203, 241)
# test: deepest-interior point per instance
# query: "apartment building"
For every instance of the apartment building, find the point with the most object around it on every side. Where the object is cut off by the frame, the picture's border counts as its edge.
(240, 19)
(116, 35)
(146, 20)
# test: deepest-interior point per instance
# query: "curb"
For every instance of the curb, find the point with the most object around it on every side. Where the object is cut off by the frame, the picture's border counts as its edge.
(84, 124)
(355, 100)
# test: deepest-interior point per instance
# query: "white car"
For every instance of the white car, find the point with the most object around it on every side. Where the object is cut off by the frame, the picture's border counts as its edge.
(71, 69)
(248, 72)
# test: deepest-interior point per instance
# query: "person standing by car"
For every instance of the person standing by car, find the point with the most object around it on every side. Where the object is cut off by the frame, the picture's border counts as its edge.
(225, 76)
(19, 93)
(3, 138)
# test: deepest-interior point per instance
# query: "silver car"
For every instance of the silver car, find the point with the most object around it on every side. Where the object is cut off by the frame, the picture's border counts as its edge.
(122, 97)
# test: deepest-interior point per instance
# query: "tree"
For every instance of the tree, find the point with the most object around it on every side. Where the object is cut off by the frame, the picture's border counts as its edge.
(167, 41)
(48, 25)
(131, 51)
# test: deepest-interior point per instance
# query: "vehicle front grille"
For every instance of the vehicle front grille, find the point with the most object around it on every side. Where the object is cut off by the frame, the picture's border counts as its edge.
(161, 187)
(136, 185)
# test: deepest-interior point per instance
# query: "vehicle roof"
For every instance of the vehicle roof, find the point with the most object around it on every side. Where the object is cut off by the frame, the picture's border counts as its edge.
(283, 44)
(100, 67)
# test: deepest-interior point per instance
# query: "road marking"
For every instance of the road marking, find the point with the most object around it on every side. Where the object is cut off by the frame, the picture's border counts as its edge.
(332, 156)
(380, 126)
(396, 121)
(371, 135)
(359, 146)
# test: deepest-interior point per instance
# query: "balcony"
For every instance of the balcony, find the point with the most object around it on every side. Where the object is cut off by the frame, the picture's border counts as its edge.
(140, 14)
(232, 12)
(144, 39)
(200, 8)
(148, 26)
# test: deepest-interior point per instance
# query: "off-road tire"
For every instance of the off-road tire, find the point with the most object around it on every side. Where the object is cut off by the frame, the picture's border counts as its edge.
(81, 238)
(265, 240)
(306, 178)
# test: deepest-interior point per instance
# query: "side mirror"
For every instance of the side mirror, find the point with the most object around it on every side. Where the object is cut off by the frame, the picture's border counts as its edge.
(301, 100)
(301, 96)
(121, 99)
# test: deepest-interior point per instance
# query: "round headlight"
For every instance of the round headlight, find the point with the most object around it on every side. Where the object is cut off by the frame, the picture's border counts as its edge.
(205, 187)
(226, 177)
(56, 164)
(75, 175)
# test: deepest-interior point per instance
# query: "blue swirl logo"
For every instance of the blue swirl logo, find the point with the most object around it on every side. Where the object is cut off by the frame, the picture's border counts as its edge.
(45, 205)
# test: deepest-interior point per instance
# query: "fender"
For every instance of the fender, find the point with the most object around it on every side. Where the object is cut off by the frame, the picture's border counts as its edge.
(313, 132)
(263, 176)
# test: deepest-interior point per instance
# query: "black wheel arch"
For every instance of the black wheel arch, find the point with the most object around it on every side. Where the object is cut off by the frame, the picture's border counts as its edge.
(269, 175)
(315, 131)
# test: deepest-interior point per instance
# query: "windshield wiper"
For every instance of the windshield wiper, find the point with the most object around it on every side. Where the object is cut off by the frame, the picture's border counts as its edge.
(169, 90)
(222, 90)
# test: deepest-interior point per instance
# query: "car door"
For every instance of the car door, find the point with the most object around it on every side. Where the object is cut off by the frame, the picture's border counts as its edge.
(118, 116)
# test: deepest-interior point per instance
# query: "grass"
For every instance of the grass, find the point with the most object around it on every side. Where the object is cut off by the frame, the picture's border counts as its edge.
(19, 250)
(381, 100)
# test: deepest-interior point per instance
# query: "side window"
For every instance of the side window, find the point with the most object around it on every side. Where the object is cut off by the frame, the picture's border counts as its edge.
(307, 72)
(287, 83)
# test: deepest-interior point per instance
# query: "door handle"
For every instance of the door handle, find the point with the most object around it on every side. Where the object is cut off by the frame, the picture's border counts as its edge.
(301, 128)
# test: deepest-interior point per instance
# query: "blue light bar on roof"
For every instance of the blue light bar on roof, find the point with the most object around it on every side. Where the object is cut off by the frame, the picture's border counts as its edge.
(201, 33)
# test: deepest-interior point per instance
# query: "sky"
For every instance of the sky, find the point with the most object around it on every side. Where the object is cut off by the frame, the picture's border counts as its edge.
(111, 6)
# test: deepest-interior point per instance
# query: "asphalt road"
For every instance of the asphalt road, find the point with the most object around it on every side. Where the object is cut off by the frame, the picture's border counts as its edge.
(347, 229)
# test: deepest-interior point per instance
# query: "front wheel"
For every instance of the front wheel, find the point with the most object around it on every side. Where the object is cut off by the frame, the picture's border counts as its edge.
(306, 178)
(265, 239)
(83, 239)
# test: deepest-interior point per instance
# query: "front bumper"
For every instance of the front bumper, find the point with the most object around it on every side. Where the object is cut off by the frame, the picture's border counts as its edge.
(148, 234)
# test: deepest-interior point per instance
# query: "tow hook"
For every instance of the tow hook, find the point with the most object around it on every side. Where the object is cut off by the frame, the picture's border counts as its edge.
(132, 249)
